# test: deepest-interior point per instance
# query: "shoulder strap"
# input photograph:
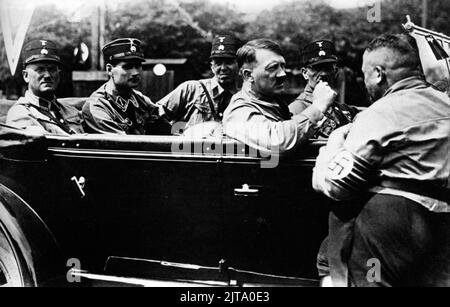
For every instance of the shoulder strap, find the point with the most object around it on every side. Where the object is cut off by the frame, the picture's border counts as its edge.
(210, 101)
(54, 119)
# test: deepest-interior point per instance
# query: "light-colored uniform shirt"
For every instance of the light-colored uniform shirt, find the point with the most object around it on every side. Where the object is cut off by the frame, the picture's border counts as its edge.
(403, 137)
(268, 126)
(189, 104)
(43, 116)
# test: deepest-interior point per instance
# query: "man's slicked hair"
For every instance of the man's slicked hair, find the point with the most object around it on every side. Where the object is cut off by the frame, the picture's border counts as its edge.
(247, 53)
(403, 44)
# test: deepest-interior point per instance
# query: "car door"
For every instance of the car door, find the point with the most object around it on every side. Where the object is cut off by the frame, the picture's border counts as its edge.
(275, 220)
(143, 198)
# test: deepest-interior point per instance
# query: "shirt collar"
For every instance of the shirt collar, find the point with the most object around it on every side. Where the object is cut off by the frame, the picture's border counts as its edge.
(216, 89)
(276, 107)
(122, 102)
(407, 83)
(251, 94)
(39, 101)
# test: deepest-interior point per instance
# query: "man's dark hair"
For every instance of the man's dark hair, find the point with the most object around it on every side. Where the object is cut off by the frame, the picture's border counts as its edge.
(403, 45)
(247, 53)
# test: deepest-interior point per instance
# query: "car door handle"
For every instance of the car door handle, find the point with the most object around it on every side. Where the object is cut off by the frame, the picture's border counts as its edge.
(80, 183)
(246, 190)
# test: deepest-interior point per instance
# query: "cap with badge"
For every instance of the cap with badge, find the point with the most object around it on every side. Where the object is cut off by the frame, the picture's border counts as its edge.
(123, 49)
(224, 46)
(40, 51)
(318, 52)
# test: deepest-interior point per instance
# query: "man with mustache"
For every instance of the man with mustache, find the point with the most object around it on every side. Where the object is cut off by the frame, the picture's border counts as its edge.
(257, 116)
(320, 64)
(389, 170)
(117, 107)
(39, 110)
(200, 101)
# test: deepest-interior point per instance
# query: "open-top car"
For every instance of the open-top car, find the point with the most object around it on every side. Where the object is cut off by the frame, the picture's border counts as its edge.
(152, 210)
(172, 199)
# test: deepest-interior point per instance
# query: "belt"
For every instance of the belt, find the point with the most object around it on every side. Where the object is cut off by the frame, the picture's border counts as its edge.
(426, 188)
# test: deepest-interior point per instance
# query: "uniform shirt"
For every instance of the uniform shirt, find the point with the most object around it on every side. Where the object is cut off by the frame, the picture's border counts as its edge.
(336, 116)
(402, 137)
(268, 125)
(43, 116)
(107, 112)
(189, 103)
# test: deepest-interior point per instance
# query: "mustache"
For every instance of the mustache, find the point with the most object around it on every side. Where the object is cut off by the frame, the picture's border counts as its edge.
(280, 80)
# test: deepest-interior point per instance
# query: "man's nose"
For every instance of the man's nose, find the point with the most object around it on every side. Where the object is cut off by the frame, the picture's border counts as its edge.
(135, 71)
(281, 74)
(46, 74)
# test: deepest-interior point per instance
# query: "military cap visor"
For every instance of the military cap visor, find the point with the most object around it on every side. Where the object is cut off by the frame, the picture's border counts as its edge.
(318, 61)
(222, 56)
(40, 51)
(123, 49)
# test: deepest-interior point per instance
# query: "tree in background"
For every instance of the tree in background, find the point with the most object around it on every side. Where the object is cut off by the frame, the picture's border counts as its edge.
(216, 18)
(172, 29)
(49, 23)
(176, 30)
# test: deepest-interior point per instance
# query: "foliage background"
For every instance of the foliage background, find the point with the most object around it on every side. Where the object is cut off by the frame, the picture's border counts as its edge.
(184, 29)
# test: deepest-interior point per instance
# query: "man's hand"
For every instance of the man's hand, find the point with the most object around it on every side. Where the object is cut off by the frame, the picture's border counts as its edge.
(323, 96)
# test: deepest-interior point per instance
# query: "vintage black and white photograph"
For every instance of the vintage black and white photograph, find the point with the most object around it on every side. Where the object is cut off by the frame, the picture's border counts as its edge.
(228, 144)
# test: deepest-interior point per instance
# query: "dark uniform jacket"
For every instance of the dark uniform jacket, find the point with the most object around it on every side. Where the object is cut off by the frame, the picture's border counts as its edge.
(107, 112)
(42, 116)
(337, 115)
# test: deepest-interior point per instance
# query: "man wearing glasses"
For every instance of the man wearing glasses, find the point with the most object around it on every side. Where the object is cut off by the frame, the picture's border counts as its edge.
(319, 62)
(39, 111)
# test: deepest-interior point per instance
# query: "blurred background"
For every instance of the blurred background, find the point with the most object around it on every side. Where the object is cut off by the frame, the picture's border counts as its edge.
(177, 35)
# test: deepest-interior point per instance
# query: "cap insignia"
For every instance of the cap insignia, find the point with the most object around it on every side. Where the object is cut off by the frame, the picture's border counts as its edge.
(319, 44)
(43, 42)
(44, 51)
(221, 47)
(322, 53)
(132, 46)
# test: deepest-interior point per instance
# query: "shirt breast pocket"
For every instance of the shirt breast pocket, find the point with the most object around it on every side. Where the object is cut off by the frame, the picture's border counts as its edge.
(200, 113)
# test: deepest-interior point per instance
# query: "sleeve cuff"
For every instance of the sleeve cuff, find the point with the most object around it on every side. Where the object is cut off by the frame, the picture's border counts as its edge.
(312, 113)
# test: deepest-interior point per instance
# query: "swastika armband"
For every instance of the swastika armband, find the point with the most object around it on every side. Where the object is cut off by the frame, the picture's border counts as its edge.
(349, 172)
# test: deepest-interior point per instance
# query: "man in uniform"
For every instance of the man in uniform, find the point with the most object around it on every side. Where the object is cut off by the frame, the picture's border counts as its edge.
(199, 101)
(39, 110)
(320, 64)
(257, 116)
(393, 164)
(117, 107)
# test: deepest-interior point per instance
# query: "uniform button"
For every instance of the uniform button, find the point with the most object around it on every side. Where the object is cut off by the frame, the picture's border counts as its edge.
(61, 121)
(220, 114)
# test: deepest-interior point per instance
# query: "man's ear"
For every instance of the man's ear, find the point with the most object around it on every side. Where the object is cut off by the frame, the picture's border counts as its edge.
(380, 74)
(25, 75)
(109, 68)
(304, 73)
(247, 74)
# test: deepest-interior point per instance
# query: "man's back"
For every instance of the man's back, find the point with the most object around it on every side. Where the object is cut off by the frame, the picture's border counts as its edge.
(411, 126)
